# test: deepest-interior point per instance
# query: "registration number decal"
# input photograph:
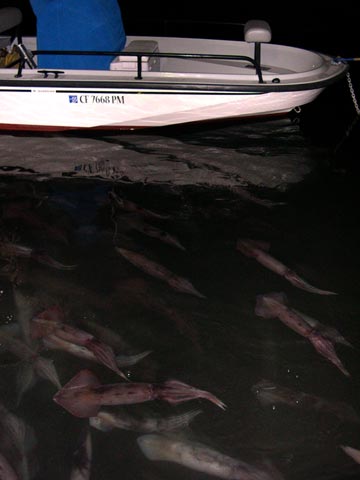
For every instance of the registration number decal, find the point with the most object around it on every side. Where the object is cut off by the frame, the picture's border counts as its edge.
(98, 99)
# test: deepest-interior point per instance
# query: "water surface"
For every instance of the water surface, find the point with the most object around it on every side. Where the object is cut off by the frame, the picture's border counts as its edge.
(216, 343)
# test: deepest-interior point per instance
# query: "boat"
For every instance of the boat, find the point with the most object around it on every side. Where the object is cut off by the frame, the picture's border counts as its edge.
(161, 81)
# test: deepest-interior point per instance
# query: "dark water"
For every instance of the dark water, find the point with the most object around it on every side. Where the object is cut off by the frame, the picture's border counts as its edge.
(216, 343)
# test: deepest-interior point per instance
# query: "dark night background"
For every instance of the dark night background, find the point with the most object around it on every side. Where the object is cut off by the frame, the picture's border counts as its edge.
(330, 28)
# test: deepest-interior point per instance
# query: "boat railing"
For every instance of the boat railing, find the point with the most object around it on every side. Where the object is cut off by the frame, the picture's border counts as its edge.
(27, 57)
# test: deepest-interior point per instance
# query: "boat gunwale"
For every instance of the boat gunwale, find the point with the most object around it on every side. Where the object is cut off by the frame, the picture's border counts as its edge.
(171, 85)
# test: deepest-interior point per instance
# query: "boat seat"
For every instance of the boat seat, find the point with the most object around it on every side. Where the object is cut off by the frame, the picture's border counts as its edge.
(257, 32)
(10, 19)
(129, 62)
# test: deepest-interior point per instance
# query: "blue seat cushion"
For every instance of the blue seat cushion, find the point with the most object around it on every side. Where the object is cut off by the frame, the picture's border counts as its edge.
(91, 25)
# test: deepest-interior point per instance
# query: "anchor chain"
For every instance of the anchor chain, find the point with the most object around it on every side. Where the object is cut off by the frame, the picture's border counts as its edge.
(355, 120)
(352, 93)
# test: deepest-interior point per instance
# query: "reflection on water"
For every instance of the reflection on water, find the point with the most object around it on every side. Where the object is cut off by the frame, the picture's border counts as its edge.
(184, 300)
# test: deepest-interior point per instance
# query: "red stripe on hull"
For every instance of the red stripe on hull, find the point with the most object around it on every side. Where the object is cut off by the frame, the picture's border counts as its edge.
(53, 128)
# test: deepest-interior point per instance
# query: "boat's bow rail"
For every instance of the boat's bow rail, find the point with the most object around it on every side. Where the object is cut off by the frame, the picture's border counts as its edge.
(177, 63)
(27, 58)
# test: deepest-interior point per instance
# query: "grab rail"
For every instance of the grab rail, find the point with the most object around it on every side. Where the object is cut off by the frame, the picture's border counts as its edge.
(140, 55)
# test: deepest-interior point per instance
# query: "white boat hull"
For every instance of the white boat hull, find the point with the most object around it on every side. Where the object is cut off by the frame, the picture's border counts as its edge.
(68, 109)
